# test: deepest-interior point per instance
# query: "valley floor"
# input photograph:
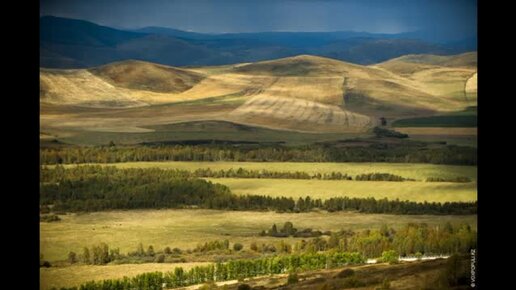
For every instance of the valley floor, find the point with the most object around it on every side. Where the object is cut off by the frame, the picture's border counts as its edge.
(325, 189)
(188, 227)
(418, 190)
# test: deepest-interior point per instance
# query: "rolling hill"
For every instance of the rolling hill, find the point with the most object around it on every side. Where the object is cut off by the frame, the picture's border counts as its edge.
(141, 75)
(468, 59)
(303, 93)
(409, 64)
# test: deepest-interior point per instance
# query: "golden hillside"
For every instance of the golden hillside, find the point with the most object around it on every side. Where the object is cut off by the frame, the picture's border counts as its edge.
(140, 75)
(304, 93)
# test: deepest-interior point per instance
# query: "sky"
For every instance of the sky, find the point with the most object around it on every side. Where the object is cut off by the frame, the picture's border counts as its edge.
(453, 17)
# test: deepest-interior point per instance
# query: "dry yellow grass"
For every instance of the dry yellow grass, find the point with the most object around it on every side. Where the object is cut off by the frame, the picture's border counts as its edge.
(444, 81)
(71, 276)
(409, 190)
(186, 228)
(441, 76)
(471, 84)
(140, 75)
(324, 89)
(417, 61)
(291, 113)
(303, 93)
(82, 87)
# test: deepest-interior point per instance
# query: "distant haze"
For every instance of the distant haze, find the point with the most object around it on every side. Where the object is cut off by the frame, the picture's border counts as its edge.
(448, 19)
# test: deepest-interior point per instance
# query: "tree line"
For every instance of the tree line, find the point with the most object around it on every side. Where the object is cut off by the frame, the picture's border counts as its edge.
(459, 179)
(236, 269)
(412, 239)
(97, 188)
(245, 173)
(381, 177)
(334, 175)
(341, 248)
(288, 230)
(404, 153)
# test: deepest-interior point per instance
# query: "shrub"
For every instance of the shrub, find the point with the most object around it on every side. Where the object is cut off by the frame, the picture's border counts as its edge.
(167, 251)
(72, 257)
(85, 257)
(45, 264)
(391, 257)
(49, 218)
(160, 258)
(382, 132)
(346, 273)
(237, 247)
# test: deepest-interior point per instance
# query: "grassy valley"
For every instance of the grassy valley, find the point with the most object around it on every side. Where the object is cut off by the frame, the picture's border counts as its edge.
(278, 174)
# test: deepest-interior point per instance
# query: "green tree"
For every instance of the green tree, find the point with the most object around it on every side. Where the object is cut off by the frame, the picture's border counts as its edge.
(274, 230)
(300, 204)
(150, 251)
(100, 254)
(86, 256)
(391, 257)
(288, 228)
(105, 257)
(139, 251)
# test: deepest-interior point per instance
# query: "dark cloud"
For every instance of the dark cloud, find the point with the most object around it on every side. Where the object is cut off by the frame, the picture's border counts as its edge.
(453, 17)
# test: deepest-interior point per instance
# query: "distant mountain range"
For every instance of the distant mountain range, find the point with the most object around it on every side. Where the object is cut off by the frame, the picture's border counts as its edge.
(70, 43)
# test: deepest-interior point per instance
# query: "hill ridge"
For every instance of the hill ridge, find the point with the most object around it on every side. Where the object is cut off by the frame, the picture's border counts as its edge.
(302, 92)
